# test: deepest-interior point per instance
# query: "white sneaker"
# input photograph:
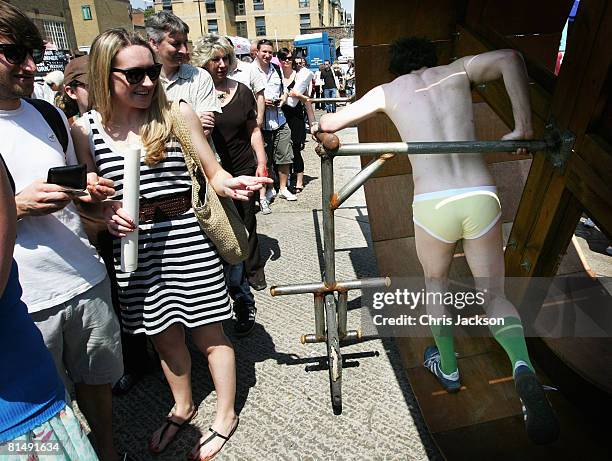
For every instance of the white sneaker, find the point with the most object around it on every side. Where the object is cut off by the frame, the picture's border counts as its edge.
(270, 194)
(264, 206)
(287, 195)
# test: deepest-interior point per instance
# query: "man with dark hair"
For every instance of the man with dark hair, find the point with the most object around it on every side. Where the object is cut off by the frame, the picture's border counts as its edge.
(411, 53)
(168, 37)
(330, 86)
(65, 285)
(277, 134)
(455, 199)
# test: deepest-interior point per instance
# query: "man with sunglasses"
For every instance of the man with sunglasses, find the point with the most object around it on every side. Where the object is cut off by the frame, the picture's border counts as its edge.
(167, 35)
(276, 131)
(65, 285)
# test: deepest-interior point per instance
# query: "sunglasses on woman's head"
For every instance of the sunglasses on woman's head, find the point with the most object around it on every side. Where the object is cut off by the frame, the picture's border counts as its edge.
(135, 75)
(17, 54)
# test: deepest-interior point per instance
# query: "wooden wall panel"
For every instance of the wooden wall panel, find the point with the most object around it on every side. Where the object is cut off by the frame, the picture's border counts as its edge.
(510, 178)
(520, 16)
(494, 93)
(373, 26)
(394, 189)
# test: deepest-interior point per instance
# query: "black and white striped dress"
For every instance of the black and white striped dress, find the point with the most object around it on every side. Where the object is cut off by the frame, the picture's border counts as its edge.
(180, 276)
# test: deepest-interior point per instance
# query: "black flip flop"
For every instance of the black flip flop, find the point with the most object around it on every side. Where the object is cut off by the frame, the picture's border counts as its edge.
(169, 423)
(212, 436)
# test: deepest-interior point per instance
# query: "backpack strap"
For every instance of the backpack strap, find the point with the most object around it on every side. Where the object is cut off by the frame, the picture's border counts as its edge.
(280, 75)
(53, 119)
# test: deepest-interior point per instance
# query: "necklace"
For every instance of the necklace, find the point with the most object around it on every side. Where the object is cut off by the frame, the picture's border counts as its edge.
(222, 94)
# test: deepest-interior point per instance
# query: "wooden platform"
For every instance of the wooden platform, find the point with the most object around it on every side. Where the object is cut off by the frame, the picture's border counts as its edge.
(484, 420)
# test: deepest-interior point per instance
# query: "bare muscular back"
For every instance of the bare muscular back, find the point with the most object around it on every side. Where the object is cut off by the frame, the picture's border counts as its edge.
(435, 104)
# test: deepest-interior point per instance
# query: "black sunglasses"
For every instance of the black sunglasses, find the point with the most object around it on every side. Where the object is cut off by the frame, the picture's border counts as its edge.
(285, 58)
(17, 54)
(136, 75)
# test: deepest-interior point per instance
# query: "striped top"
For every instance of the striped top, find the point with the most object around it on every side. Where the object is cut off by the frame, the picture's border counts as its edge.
(179, 276)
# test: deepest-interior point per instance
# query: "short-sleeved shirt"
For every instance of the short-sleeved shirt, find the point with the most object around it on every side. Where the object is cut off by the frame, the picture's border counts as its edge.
(193, 85)
(56, 260)
(246, 74)
(231, 134)
(274, 117)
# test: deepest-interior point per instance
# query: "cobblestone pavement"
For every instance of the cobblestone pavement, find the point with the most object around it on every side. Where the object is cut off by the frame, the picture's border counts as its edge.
(285, 411)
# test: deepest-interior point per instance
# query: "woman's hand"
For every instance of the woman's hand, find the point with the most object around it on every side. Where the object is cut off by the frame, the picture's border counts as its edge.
(242, 187)
(118, 222)
(262, 171)
(99, 189)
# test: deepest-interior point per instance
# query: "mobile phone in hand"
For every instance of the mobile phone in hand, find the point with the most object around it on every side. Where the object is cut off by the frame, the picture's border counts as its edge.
(73, 178)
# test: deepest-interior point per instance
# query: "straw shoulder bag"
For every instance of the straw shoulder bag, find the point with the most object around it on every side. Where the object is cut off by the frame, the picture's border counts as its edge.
(218, 216)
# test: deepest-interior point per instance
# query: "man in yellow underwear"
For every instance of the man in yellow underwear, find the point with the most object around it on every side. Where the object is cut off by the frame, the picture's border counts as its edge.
(455, 196)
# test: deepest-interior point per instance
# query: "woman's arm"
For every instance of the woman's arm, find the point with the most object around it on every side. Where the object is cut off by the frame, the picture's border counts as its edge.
(309, 112)
(8, 227)
(212, 168)
(223, 183)
(257, 144)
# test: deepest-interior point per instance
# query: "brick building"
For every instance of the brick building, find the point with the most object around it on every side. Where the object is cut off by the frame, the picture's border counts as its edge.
(92, 17)
(277, 20)
(54, 20)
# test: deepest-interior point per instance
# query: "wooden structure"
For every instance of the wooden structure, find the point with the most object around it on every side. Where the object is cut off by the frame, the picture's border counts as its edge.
(485, 421)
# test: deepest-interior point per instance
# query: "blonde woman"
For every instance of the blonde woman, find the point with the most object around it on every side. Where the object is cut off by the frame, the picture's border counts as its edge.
(240, 147)
(179, 282)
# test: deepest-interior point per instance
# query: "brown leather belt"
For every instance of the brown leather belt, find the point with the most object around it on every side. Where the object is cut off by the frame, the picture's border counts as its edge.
(163, 208)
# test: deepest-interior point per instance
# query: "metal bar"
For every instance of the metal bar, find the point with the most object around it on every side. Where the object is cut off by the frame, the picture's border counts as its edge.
(450, 147)
(321, 287)
(322, 100)
(359, 179)
(329, 231)
(342, 308)
(319, 315)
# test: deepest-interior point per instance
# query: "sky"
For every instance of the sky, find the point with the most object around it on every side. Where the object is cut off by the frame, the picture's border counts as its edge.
(348, 5)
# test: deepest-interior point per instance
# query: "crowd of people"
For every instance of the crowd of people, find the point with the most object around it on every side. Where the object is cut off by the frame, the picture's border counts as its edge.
(78, 322)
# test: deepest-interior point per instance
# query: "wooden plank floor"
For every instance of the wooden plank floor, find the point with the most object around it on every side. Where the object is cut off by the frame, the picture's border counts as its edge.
(484, 420)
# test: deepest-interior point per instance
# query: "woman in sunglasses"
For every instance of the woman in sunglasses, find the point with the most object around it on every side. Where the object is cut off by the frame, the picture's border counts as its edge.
(296, 80)
(179, 281)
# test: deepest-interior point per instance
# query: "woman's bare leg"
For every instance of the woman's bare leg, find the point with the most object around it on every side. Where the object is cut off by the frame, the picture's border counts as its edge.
(176, 363)
(213, 343)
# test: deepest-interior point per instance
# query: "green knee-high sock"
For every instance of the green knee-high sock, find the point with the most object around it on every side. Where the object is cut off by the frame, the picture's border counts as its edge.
(511, 337)
(443, 336)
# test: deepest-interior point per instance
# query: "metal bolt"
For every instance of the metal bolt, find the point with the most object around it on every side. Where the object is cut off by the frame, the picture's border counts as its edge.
(526, 265)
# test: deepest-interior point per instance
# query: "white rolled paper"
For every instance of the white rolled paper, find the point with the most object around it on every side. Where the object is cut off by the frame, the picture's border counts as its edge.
(131, 193)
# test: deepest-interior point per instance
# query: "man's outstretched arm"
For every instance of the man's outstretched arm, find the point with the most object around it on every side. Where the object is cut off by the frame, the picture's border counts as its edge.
(367, 106)
(509, 65)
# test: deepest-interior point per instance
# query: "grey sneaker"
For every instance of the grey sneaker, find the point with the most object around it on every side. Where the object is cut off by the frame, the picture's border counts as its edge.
(287, 195)
(432, 361)
(264, 206)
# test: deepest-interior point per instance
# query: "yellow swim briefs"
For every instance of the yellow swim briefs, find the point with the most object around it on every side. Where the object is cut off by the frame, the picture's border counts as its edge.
(455, 214)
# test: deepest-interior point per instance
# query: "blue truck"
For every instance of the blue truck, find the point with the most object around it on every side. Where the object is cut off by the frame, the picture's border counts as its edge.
(316, 48)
